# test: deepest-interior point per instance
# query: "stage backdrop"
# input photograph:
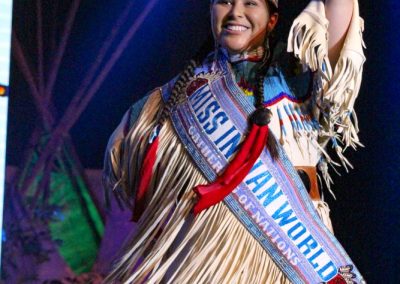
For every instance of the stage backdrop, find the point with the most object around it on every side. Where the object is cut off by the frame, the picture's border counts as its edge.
(366, 212)
(5, 48)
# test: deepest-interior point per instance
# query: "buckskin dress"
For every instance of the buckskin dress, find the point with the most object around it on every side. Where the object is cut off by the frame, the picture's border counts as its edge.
(311, 106)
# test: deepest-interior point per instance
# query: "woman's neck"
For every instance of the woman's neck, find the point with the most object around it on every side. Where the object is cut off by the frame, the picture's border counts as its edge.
(254, 55)
(245, 68)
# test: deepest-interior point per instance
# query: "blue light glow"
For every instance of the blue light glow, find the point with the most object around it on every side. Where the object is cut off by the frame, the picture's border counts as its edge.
(5, 48)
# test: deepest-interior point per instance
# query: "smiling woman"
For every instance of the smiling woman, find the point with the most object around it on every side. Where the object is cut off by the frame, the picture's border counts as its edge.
(220, 165)
(242, 25)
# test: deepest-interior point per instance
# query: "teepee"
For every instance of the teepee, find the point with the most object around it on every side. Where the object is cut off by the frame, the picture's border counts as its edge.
(53, 215)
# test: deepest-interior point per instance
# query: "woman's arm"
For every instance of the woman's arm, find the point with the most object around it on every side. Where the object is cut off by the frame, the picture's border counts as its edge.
(339, 13)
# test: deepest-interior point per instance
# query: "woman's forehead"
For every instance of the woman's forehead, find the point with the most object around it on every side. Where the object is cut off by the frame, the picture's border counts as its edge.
(273, 2)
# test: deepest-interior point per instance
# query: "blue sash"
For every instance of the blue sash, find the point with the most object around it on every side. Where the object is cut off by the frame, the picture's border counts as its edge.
(271, 202)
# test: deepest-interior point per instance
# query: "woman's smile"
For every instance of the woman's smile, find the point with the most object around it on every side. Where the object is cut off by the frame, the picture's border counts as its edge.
(235, 28)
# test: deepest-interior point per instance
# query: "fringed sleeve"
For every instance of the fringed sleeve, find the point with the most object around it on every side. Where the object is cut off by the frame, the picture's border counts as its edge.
(342, 90)
(335, 92)
(308, 39)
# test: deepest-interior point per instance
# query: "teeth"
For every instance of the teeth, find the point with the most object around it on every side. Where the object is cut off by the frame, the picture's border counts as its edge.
(236, 28)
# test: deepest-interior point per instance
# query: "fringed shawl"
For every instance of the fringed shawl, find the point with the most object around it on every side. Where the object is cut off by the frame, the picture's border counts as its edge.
(170, 244)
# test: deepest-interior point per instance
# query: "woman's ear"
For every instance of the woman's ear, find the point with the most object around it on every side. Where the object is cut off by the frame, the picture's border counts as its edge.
(273, 19)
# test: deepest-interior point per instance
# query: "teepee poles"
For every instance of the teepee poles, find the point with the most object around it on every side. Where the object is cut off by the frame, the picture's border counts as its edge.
(83, 97)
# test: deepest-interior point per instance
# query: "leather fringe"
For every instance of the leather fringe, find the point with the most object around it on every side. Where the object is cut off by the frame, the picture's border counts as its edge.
(336, 91)
(171, 245)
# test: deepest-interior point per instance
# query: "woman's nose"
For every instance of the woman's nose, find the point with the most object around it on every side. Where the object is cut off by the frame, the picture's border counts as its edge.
(237, 10)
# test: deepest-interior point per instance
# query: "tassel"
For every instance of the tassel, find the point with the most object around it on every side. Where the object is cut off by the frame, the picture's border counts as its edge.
(241, 165)
(146, 173)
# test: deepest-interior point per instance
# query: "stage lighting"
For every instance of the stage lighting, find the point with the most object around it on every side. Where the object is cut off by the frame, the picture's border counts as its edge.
(5, 47)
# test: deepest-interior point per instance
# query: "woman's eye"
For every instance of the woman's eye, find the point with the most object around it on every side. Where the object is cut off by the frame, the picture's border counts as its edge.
(230, 2)
(227, 2)
(251, 3)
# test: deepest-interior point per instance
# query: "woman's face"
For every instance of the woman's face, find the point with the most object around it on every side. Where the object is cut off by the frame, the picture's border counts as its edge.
(240, 25)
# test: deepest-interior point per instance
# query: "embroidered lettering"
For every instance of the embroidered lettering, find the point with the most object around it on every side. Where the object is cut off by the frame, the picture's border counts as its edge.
(232, 145)
(218, 120)
(270, 194)
(205, 114)
(284, 216)
(258, 181)
(328, 271)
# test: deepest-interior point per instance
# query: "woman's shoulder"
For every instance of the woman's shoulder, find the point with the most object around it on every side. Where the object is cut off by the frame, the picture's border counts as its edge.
(138, 106)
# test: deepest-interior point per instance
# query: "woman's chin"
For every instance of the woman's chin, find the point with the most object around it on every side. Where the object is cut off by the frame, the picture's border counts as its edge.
(234, 46)
(237, 47)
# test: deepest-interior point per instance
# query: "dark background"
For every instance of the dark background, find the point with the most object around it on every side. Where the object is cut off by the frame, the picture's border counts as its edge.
(366, 212)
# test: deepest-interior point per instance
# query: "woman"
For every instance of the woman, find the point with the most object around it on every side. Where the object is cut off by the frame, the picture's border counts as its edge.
(216, 205)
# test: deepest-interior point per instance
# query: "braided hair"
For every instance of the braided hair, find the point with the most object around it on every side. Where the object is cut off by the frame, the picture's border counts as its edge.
(184, 78)
(261, 112)
(269, 44)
